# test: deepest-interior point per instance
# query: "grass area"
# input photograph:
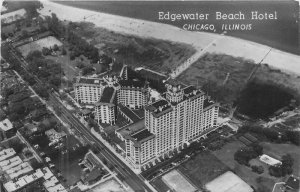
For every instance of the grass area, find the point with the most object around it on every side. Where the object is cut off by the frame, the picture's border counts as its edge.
(155, 54)
(203, 168)
(68, 66)
(48, 42)
(278, 150)
(262, 182)
(223, 76)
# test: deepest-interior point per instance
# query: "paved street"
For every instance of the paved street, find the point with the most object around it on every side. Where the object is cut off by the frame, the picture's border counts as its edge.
(136, 182)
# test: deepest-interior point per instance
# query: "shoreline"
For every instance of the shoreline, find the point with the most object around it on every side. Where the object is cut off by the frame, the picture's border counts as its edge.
(236, 47)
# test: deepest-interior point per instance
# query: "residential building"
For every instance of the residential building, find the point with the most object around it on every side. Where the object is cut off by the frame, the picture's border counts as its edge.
(6, 129)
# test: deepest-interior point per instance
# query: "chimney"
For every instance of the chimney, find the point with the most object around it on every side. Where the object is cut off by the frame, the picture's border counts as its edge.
(160, 108)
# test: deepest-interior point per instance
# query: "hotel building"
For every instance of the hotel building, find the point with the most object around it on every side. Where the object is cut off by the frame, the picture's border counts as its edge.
(183, 115)
(133, 93)
(88, 90)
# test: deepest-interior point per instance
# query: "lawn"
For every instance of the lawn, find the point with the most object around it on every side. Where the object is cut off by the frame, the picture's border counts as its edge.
(202, 168)
(223, 75)
(158, 55)
(48, 42)
(263, 182)
(278, 150)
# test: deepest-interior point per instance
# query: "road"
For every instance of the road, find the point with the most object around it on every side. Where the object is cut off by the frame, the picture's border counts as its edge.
(136, 182)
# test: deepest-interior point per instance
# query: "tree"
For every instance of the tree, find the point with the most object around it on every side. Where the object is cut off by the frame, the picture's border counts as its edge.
(87, 70)
(284, 169)
(42, 91)
(257, 169)
(243, 156)
(34, 54)
(24, 33)
(63, 51)
(46, 51)
(55, 47)
(293, 137)
(72, 56)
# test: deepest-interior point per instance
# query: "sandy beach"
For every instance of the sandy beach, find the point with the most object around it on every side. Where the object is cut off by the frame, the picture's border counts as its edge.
(200, 40)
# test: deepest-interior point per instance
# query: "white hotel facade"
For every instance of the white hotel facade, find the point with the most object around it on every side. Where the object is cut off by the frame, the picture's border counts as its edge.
(181, 116)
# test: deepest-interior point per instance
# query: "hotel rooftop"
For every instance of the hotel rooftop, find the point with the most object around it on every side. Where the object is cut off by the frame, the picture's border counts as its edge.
(159, 107)
(84, 80)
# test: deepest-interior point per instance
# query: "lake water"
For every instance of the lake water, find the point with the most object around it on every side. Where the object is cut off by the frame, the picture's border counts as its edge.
(281, 33)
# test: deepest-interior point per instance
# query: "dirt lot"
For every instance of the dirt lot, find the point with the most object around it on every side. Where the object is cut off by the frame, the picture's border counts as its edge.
(154, 54)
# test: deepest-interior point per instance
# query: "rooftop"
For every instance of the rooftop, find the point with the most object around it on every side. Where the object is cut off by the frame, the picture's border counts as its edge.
(174, 82)
(129, 113)
(293, 182)
(159, 107)
(95, 81)
(23, 181)
(6, 153)
(142, 135)
(132, 83)
(132, 128)
(52, 134)
(208, 104)
(108, 95)
(5, 125)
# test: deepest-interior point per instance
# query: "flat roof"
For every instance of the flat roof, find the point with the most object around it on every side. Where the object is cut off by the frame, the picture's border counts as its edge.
(132, 128)
(159, 107)
(135, 83)
(107, 95)
(269, 160)
(293, 182)
(142, 135)
(6, 125)
(93, 81)
(208, 104)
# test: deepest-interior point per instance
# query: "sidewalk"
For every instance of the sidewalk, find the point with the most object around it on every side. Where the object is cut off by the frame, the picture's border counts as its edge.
(121, 158)
(113, 150)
